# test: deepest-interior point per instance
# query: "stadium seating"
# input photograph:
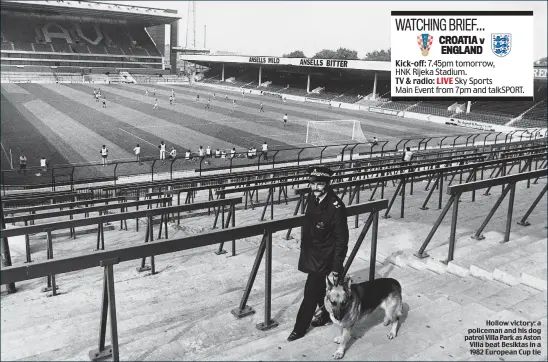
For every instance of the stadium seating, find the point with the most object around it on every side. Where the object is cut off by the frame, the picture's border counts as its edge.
(535, 117)
(505, 108)
(483, 117)
(400, 106)
(79, 41)
(438, 108)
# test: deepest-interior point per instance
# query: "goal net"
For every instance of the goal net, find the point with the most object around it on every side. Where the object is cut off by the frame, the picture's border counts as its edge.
(321, 133)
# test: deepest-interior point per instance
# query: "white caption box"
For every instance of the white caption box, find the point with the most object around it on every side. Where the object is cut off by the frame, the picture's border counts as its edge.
(462, 55)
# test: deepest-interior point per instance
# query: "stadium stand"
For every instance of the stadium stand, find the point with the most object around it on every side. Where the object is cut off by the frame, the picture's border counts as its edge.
(534, 117)
(400, 106)
(89, 44)
(438, 108)
(484, 117)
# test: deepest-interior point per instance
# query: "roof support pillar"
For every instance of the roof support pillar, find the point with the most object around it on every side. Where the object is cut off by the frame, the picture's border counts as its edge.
(375, 87)
(260, 75)
(223, 73)
(308, 85)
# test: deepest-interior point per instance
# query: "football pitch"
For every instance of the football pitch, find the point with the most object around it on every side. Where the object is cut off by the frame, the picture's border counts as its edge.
(65, 124)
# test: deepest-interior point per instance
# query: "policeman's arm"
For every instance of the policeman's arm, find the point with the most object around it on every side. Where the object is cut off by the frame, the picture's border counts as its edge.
(340, 235)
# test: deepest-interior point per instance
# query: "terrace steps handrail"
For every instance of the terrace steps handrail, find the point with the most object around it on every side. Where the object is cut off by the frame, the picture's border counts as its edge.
(74, 263)
(456, 192)
(25, 230)
(85, 210)
(217, 178)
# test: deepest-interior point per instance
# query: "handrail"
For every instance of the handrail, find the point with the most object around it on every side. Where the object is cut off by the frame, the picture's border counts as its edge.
(74, 263)
(482, 184)
(214, 178)
(455, 193)
(72, 167)
(116, 217)
(20, 210)
(85, 210)
(107, 259)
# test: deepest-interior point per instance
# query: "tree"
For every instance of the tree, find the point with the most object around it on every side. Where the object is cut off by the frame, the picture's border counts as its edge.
(343, 53)
(382, 55)
(326, 54)
(295, 54)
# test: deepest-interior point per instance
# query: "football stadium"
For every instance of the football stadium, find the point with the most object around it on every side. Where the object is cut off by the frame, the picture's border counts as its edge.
(154, 211)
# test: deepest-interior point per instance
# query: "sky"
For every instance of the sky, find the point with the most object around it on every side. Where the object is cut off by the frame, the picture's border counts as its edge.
(278, 27)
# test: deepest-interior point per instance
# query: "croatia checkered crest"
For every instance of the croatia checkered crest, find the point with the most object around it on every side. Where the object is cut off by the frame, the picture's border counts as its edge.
(425, 42)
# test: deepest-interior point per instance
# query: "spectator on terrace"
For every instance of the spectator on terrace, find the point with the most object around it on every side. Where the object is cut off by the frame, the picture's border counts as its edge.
(104, 155)
(44, 165)
(201, 151)
(162, 147)
(187, 155)
(137, 151)
(22, 164)
(407, 157)
(265, 151)
(172, 153)
(375, 141)
(233, 152)
(208, 152)
(217, 153)
(223, 154)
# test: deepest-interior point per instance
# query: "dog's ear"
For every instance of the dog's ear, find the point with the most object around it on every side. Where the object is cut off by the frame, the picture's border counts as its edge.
(329, 284)
(347, 282)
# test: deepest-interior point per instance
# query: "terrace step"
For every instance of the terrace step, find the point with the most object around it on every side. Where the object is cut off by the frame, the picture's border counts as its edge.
(508, 297)
(489, 256)
(510, 273)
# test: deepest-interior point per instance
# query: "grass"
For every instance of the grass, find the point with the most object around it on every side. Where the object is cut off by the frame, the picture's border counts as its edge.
(66, 125)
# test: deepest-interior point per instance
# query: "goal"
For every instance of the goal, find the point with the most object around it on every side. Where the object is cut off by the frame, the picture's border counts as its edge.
(322, 133)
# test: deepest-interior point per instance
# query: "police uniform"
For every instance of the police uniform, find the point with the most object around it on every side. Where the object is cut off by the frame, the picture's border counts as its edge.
(324, 243)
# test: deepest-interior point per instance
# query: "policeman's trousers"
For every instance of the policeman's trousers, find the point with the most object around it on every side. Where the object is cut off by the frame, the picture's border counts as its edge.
(314, 294)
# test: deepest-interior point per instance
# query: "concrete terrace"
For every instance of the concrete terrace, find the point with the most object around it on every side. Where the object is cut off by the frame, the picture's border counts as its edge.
(183, 312)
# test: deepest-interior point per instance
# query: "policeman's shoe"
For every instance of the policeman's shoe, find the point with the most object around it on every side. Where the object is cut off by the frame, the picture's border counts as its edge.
(321, 320)
(294, 336)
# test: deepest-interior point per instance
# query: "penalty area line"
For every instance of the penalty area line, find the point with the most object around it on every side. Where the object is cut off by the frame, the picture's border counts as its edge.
(136, 136)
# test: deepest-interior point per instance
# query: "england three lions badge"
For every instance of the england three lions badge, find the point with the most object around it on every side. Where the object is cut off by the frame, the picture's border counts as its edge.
(501, 44)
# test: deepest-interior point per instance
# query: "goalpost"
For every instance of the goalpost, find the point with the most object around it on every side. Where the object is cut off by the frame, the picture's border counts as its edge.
(321, 133)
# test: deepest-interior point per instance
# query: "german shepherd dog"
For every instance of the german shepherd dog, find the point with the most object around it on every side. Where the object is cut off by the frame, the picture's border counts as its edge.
(347, 303)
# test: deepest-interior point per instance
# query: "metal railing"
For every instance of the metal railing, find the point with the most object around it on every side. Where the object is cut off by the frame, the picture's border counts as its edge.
(108, 258)
(71, 175)
(455, 192)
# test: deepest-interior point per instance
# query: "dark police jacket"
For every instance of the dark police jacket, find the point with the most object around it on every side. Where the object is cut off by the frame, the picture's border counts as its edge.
(324, 237)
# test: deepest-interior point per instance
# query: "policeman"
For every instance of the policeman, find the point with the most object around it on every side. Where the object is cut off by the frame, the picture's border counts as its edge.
(324, 243)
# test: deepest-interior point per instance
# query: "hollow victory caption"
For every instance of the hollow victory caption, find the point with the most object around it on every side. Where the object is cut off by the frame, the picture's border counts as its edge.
(461, 55)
